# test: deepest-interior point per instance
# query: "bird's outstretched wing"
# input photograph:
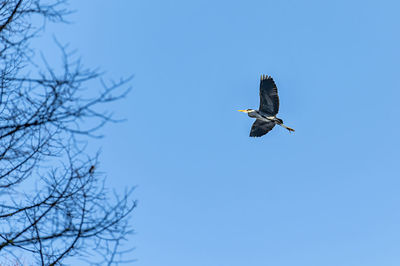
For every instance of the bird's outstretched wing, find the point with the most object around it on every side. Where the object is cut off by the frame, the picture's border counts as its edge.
(260, 128)
(269, 100)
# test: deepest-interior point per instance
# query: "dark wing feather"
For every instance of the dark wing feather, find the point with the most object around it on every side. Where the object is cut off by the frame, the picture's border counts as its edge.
(269, 100)
(260, 128)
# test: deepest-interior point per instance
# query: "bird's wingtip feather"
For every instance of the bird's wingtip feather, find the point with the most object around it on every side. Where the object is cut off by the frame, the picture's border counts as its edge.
(265, 77)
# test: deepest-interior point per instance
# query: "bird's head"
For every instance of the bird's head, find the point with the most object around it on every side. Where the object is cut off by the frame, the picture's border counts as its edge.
(249, 112)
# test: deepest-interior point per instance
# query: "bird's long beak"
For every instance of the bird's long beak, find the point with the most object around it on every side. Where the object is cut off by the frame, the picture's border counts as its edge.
(243, 111)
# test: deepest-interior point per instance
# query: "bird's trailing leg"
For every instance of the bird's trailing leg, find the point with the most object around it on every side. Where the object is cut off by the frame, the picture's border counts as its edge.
(288, 128)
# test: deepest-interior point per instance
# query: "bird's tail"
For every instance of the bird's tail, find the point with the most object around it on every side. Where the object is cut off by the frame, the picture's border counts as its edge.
(288, 128)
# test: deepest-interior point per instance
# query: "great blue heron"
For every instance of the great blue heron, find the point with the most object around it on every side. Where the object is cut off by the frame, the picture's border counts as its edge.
(269, 106)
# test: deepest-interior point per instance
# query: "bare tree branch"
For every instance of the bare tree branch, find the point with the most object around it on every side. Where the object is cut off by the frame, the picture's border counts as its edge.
(53, 202)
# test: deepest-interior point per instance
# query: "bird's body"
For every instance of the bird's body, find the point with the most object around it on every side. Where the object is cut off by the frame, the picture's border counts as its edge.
(269, 106)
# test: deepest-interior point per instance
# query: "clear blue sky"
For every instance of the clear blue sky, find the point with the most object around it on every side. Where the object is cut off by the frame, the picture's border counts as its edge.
(210, 195)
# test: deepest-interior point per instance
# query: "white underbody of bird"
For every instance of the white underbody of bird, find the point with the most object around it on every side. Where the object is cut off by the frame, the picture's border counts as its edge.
(266, 118)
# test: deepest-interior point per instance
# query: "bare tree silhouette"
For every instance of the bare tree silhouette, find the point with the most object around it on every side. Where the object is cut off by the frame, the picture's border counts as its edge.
(53, 203)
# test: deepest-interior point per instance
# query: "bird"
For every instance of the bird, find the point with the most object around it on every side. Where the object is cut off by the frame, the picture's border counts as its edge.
(269, 106)
(91, 170)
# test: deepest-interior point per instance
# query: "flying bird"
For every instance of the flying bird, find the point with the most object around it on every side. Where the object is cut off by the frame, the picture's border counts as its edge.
(269, 106)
